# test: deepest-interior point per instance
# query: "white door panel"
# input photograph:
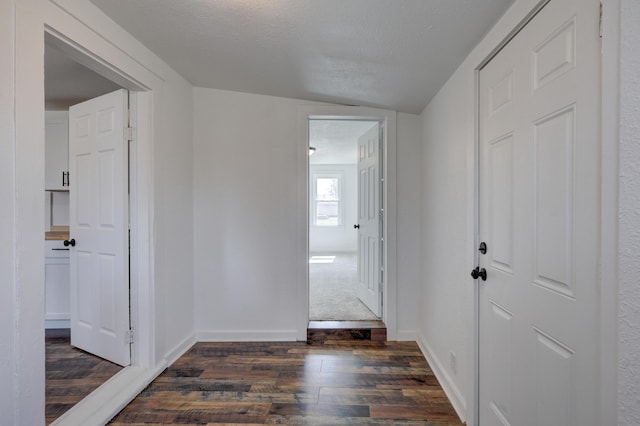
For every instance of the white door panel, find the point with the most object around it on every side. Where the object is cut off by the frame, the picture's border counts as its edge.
(99, 261)
(539, 216)
(369, 219)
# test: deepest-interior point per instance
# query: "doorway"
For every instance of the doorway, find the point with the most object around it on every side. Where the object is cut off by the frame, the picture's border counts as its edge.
(340, 264)
(387, 120)
(72, 371)
(74, 78)
(345, 221)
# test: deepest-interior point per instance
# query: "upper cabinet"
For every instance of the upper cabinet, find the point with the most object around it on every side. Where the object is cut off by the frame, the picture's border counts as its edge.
(56, 151)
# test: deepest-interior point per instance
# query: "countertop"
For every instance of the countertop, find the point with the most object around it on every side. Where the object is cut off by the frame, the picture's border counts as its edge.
(57, 234)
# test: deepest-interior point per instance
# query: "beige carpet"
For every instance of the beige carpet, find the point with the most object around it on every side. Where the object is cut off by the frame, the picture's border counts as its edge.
(332, 288)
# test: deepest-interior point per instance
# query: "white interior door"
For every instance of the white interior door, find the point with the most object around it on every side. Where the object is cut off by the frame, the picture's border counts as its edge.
(539, 216)
(369, 273)
(99, 261)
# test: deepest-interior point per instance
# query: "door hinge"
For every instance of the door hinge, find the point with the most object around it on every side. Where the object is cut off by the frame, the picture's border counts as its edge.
(600, 21)
(128, 133)
(129, 337)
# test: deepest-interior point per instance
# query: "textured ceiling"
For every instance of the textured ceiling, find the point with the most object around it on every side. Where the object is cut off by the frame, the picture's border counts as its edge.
(393, 54)
(336, 141)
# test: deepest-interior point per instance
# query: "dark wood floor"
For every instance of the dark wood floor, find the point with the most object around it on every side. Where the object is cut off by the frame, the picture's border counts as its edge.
(71, 374)
(332, 383)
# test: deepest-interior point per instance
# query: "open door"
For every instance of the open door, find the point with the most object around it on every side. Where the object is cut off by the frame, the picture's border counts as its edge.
(99, 258)
(369, 272)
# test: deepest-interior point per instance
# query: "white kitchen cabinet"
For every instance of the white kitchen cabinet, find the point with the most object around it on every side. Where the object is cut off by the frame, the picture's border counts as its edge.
(56, 151)
(57, 290)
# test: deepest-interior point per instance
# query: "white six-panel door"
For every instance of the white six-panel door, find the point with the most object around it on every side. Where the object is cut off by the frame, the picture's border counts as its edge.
(539, 216)
(369, 219)
(99, 261)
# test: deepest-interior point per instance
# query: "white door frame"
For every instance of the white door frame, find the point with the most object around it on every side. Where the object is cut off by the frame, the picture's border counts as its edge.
(389, 288)
(143, 362)
(608, 208)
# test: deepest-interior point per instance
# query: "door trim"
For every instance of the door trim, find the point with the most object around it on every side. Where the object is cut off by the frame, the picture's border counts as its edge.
(115, 393)
(610, 116)
(139, 202)
(389, 287)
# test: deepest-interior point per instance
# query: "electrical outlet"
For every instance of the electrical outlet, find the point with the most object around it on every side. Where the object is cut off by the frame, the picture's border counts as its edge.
(453, 363)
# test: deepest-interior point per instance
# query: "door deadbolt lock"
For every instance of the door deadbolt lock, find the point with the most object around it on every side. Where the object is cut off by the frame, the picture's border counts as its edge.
(483, 248)
(479, 273)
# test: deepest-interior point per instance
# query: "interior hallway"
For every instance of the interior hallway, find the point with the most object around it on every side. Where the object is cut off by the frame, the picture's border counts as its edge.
(334, 383)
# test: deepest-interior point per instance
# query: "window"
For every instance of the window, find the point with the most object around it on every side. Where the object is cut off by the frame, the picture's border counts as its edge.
(327, 203)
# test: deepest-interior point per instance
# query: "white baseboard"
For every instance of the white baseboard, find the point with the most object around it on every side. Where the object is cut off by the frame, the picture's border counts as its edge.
(247, 336)
(407, 335)
(450, 388)
(104, 403)
(180, 349)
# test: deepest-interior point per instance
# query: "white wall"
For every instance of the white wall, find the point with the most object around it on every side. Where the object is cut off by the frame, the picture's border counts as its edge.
(245, 216)
(245, 180)
(343, 238)
(409, 183)
(167, 168)
(447, 292)
(629, 213)
(27, 256)
(9, 350)
(173, 213)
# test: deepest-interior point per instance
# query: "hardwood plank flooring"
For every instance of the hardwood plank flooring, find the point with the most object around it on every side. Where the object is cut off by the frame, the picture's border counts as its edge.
(333, 383)
(71, 374)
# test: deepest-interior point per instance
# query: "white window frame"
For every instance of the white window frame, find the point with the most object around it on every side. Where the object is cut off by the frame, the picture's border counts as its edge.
(314, 198)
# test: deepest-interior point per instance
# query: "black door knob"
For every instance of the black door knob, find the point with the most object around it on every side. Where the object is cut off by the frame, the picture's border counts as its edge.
(356, 226)
(479, 273)
(71, 242)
